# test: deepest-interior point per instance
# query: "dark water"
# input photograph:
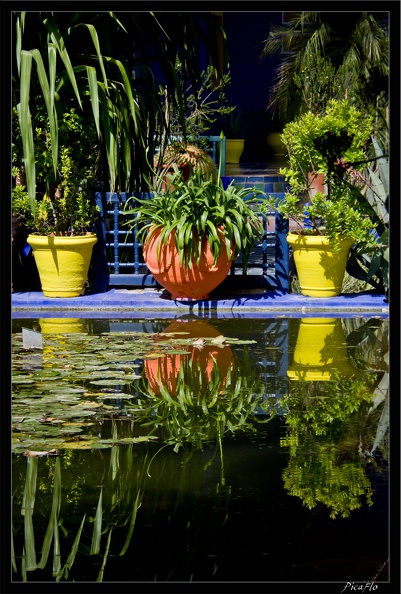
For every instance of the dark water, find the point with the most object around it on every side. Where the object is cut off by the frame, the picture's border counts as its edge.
(271, 466)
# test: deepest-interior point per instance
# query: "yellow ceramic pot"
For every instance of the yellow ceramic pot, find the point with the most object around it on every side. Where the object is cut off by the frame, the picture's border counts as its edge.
(61, 325)
(63, 263)
(234, 149)
(320, 350)
(320, 270)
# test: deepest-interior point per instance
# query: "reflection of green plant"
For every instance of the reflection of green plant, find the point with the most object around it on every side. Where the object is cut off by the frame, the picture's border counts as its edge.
(117, 507)
(202, 410)
(332, 429)
(317, 474)
(323, 406)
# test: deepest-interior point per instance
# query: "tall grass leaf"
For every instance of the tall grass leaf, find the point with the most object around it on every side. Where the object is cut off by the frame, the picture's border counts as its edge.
(25, 124)
(101, 571)
(96, 43)
(134, 513)
(59, 42)
(56, 550)
(54, 514)
(94, 95)
(28, 503)
(97, 527)
(71, 557)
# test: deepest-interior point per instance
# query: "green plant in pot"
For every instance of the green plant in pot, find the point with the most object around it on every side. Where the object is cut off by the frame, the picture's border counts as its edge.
(184, 124)
(61, 221)
(193, 231)
(325, 153)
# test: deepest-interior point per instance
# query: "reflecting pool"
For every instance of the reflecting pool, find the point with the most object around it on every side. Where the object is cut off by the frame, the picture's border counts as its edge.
(200, 450)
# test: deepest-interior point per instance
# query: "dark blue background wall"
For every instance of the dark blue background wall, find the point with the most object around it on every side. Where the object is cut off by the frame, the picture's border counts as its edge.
(252, 77)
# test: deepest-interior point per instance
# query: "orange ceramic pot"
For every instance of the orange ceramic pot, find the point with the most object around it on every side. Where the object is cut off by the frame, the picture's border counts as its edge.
(182, 282)
(316, 181)
(164, 370)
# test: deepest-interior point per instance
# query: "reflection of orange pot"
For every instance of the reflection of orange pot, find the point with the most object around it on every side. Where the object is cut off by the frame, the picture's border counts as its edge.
(165, 369)
(183, 282)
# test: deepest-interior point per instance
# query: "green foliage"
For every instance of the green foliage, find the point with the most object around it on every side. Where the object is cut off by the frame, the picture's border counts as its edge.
(65, 207)
(317, 474)
(316, 142)
(332, 145)
(327, 57)
(327, 424)
(200, 208)
(325, 406)
(372, 265)
(201, 410)
(90, 58)
(203, 105)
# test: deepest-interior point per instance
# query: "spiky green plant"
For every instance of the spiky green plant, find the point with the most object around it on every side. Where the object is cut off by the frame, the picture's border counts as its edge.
(199, 209)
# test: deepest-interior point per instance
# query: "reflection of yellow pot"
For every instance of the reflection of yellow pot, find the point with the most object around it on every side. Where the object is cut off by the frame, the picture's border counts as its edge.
(320, 350)
(61, 325)
(234, 149)
(320, 270)
(63, 263)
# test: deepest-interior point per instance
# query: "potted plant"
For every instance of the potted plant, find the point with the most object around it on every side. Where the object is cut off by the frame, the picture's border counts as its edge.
(60, 222)
(325, 154)
(233, 128)
(193, 230)
(183, 124)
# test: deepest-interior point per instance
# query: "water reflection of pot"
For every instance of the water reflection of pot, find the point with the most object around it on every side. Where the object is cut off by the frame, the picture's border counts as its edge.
(61, 325)
(320, 350)
(200, 359)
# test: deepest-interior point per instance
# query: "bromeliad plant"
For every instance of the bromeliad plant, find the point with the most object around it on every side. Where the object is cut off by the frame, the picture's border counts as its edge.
(199, 208)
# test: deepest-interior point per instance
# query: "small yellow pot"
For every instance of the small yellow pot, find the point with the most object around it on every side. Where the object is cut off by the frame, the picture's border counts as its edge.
(63, 263)
(234, 149)
(61, 325)
(320, 350)
(320, 270)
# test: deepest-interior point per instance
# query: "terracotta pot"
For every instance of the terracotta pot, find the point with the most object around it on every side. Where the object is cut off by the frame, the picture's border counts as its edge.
(182, 282)
(63, 263)
(320, 270)
(316, 183)
(164, 370)
(168, 171)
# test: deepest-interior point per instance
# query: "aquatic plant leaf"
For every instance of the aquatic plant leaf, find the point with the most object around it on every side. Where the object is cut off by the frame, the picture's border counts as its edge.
(28, 504)
(71, 557)
(51, 531)
(137, 503)
(97, 527)
(106, 553)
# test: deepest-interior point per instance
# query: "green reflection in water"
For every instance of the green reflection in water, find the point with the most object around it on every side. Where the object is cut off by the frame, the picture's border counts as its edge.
(335, 426)
(193, 389)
